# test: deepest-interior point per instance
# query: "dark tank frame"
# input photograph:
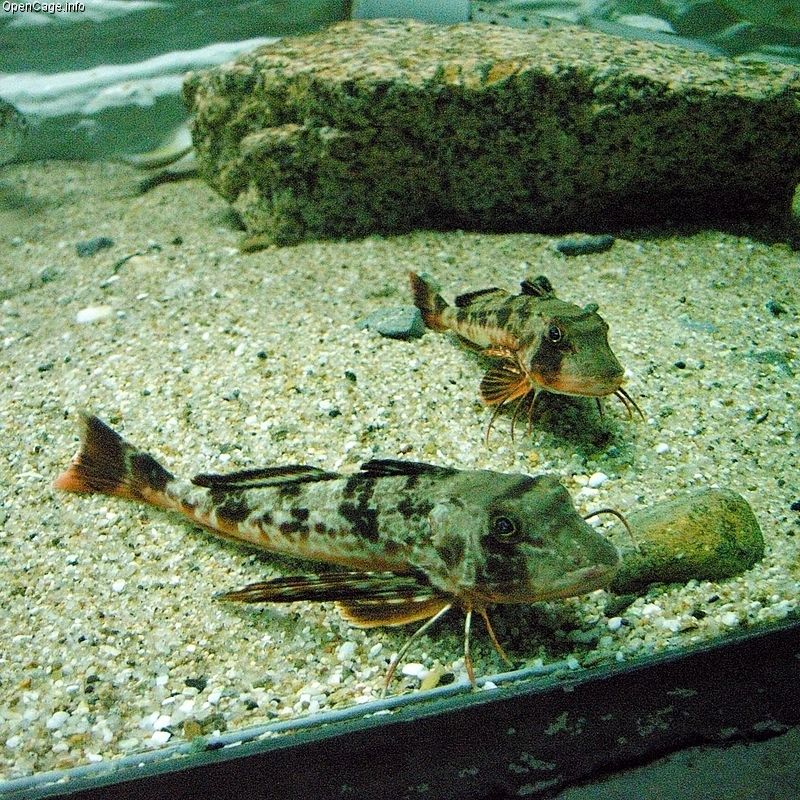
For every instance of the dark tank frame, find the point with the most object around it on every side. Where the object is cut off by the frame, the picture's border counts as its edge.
(533, 735)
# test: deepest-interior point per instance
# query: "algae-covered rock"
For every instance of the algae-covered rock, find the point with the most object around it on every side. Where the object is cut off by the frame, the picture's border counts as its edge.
(387, 125)
(710, 535)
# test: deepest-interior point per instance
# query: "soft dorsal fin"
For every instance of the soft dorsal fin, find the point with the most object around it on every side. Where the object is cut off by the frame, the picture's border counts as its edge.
(463, 300)
(263, 477)
(502, 383)
(391, 467)
(538, 287)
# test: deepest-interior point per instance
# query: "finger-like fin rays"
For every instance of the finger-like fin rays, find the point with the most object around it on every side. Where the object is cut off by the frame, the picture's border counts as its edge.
(404, 649)
(468, 663)
(628, 402)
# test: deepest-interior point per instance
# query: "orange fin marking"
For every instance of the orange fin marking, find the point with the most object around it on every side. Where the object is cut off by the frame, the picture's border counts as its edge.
(374, 613)
(503, 383)
(106, 464)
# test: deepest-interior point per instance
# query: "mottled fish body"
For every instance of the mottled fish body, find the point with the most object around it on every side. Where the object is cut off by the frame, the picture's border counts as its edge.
(417, 538)
(540, 343)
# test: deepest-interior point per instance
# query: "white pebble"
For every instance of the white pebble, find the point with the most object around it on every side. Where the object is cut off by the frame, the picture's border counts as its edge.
(57, 720)
(160, 737)
(346, 651)
(375, 649)
(614, 624)
(730, 618)
(597, 479)
(413, 669)
(662, 447)
(93, 314)
(118, 586)
(13, 742)
(162, 722)
(651, 610)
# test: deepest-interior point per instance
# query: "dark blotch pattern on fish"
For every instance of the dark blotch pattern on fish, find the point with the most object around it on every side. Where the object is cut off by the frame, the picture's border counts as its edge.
(232, 507)
(451, 551)
(547, 360)
(410, 507)
(356, 509)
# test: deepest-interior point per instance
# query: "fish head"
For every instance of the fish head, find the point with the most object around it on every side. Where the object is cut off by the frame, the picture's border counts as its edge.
(568, 351)
(518, 539)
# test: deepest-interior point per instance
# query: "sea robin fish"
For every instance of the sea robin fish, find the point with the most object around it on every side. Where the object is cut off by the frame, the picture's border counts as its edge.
(541, 343)
(416, 538)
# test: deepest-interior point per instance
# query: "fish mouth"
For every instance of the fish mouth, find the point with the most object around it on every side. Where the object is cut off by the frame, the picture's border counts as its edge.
(580, 581)
(583, 386)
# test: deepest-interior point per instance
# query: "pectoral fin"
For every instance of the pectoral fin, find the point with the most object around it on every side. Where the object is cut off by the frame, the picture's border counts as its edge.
(503, 383)
(374, 613)
(365, 599)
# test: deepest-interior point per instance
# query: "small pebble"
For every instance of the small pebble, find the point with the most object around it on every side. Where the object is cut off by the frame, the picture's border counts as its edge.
(346, 651)
(160, 737)
(614, 624)
(402, 322)
(118, 586)
(92, 246)
(93, 314)
(413, 669)
(584, 245)
(775, 308)
(729, 618)
(661, 448)
(57, 720)
(597, 479)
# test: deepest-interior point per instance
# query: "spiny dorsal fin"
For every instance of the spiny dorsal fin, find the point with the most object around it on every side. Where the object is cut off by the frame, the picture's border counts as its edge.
(502, 383)
(264, 477)
(390, 467)
(538, 287)
(463, 300)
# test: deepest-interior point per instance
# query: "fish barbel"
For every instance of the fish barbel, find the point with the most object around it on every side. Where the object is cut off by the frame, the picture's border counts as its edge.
(417, 539)
(541, 343)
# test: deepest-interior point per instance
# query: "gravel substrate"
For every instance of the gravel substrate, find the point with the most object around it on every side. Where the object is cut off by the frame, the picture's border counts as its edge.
(214, 360)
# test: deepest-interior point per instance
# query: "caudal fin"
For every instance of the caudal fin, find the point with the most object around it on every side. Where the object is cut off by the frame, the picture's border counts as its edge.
(106, 464)
(428, 301)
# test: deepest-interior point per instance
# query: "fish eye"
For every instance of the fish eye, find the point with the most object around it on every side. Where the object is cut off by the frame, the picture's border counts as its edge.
(504, 528)
(554, 333)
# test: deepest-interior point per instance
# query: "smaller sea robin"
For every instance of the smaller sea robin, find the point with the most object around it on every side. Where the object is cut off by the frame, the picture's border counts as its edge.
(538, 343)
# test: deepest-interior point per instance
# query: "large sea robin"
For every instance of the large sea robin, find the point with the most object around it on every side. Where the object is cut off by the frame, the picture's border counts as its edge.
(416, 539)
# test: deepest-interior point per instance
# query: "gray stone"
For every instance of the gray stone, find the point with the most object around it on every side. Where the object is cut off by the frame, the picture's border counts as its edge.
(92, 246)
(710, 534)
(402, 322)
(389, 125)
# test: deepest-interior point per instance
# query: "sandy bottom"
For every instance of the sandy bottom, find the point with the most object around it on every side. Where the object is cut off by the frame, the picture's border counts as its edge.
(213, 360)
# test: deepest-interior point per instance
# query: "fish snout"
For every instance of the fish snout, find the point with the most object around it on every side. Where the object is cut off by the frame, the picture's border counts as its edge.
(595, 377)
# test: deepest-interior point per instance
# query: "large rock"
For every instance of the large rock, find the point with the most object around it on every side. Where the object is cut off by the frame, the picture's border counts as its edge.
(388, 125)
(709, 534)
